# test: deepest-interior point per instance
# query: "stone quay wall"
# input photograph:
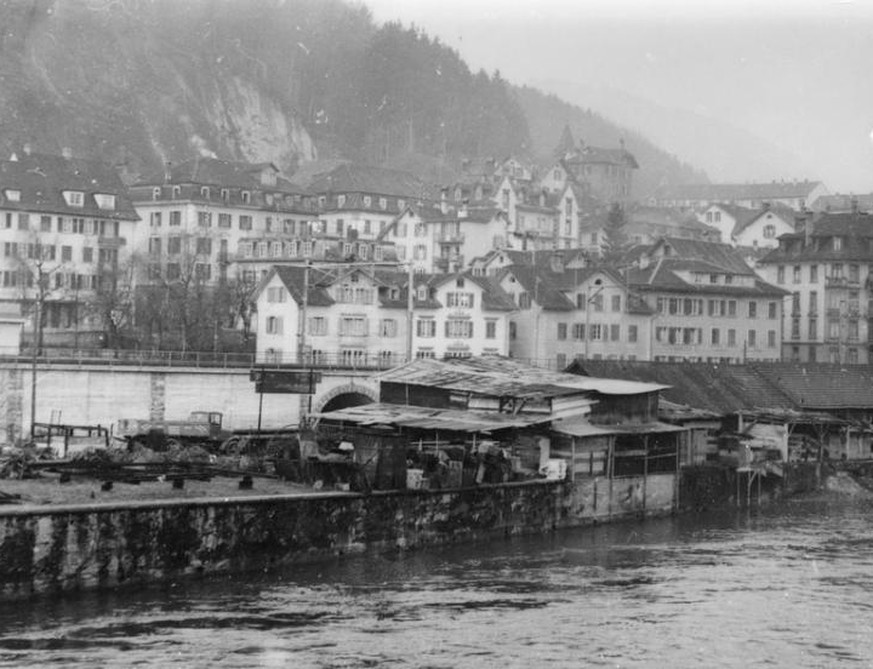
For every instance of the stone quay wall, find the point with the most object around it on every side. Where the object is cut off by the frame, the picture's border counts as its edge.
(58, 550)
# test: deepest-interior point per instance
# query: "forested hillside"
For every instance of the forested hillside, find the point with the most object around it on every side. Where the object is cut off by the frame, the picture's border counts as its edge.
(141, 82)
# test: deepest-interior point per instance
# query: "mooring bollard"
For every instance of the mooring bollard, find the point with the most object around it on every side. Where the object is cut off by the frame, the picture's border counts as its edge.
(178, 483)
(246, 483)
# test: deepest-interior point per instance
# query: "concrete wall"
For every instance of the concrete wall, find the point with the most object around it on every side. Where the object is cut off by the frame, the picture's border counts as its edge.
(67, 549)
(598, 498)
(101, 395)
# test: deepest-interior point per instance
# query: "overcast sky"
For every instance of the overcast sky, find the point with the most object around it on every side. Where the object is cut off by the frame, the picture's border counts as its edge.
(796, 74)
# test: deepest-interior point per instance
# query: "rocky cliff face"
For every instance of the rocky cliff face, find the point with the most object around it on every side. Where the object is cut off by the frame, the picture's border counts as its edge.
(108, 80)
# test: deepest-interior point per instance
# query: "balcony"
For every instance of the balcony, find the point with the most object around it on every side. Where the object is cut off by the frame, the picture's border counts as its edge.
(835, 282)
(451, 238)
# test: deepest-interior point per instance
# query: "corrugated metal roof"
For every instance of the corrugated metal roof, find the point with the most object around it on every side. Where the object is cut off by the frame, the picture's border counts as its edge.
(582, 428)
(505, 377)
(427, 418)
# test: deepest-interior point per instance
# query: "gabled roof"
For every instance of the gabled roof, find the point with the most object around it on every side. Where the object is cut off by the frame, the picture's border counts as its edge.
(205, 171)
(855, 228)
(496, 376)
(722, 255)
(293, 276)
(662, 276)
(494, 298)
(539, 285)
(822, 386)
(723, 389)
(596, 154)
(41, 180)
(355, 178)
(782, 211)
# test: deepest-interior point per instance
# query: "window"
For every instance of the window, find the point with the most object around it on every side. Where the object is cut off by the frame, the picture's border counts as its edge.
(813, 302)
(524, 301)
(177, 191)
(353, 326)
(204, 219)
(854, 273)
(838, 243)
(458, 328)
(425, 328)
(246, 197)
(579, 331)
(245, 222)
(632, 334)
(204, 246)
(420, 252)
(752, 339)
(771, 338)
(491, 329)
(383, 203)
(155, 219)
(732, 308)
(66, 253)
(203, 271)
(837, 269)
(813, 328)
(388, 327)
(513, 330)
(274, 325)
(204, 192)
(595, 332)
(753, 309)
(716, 337)
(368, 201)
(154, 246)
(455, 299)
(74, 198)
(616, 302)
(732, 337)
(772, 310)
(87, 254)
(224, 221)
(780, 274)
(813, 273)
(769, 231)
(276, 294)
(45, 223)
(174, 271)
(562, 330)
(317, 326)
(597, 302)
(174, 246)
(796, 273)
(175, 218)
(615, 332)
(13, 195)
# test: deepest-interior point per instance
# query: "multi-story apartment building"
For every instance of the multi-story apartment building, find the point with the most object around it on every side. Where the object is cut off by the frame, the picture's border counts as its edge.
(201, 216)
(796, 195)
(354, 316)
(66, 226)
(709, 304)
(607, 174)
(563, 314)
(827, 268)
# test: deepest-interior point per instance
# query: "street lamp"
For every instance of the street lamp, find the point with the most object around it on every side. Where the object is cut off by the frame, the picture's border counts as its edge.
(589, 298)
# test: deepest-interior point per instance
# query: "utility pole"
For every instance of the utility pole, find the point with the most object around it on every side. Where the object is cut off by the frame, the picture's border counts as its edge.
(410, 308)
(36, 345)
(589, 299)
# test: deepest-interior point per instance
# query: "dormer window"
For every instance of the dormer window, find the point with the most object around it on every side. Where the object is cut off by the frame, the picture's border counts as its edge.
(225, 194)
(363, 251)
(269, 198)
(204, 192)
(459, 283)
(383, 203)
(156, 193)
(246, 197)
(368, 201)
(838, 243)
(74, 198)
(340, 200)
(401, 204)
(12, 195)
(377, 253)
(104, 201)
(177, 192)
(422, 293)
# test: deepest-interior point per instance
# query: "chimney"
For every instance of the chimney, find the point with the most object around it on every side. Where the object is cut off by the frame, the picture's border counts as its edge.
(67, 152)
(854, 205)
(26, 148)
(462, 210)
(766, 206)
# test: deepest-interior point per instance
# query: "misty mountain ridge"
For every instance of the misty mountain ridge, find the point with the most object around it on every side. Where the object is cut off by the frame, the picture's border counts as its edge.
(139, 84)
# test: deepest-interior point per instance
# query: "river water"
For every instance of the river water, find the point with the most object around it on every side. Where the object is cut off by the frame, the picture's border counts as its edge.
(790, 585)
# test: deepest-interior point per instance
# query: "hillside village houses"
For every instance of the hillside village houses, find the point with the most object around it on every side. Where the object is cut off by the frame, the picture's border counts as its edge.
(827, 265)
(354, 316)
(742, 226)
(232, 221)
(66, 226)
